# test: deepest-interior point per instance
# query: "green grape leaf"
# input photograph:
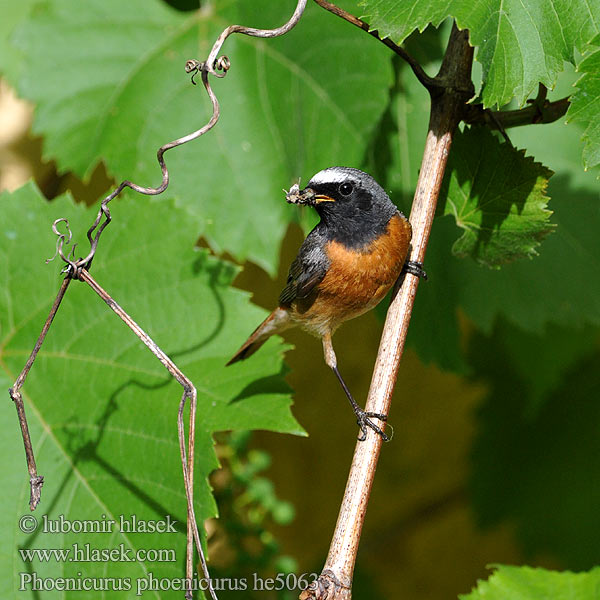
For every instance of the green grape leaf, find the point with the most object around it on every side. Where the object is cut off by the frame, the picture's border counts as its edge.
(102, 410)
(398, 20)
(13, 13)
(527, 583)
(496, 194)
(585, 104)
(561, 286)
(520, 44)
(109, 85)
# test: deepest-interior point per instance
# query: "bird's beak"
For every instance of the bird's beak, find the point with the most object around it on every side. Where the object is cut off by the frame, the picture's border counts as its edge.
(307, 196)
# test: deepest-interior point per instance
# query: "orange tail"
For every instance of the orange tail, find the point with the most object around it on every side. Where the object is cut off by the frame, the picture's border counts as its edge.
(276, 322)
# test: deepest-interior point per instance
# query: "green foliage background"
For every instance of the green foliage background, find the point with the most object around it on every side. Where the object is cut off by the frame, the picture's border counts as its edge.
(496, 415)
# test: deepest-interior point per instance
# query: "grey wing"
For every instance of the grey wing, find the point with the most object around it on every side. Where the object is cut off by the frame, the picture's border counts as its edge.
(308, 270)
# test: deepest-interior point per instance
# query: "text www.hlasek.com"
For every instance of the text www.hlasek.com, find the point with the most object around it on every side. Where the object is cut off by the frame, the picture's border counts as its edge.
(86, 553)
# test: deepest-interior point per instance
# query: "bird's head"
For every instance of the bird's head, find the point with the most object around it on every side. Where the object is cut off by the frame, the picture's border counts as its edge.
(350, 203)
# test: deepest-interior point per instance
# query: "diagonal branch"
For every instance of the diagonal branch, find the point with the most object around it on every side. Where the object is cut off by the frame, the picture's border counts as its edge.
(428, 82)
(335, 581)
(35, 481)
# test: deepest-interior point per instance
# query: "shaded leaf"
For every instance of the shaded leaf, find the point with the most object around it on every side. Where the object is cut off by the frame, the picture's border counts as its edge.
(543, 360)
(585, 104)
(109, 85)
(496, 194)
(102, 409)
(519, 43)
(534, 468)
(526, 583)
(561, 286)
(434, 328)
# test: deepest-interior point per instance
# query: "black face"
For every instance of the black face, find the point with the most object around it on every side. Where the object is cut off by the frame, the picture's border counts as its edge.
(352, 205)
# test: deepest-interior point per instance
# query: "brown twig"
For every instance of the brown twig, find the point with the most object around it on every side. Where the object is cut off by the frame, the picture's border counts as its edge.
(35, 481)
(428, 82)
(535, 113)
(335, 581)
(189, 392)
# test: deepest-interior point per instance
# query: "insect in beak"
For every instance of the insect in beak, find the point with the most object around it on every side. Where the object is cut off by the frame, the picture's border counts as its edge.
(307, 196)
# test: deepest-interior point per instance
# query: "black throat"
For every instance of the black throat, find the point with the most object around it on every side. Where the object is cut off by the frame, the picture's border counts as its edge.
(356, 230)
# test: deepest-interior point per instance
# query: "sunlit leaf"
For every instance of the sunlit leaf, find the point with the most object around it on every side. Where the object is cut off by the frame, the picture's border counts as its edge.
(526, 583)
(496, 194)
(519, 44)
(585, 104)
(102, 409)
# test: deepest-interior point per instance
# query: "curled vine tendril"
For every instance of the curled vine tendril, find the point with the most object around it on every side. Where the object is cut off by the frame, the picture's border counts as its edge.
(61, 239)
(214, 65)
(64, 239)
(221, 67)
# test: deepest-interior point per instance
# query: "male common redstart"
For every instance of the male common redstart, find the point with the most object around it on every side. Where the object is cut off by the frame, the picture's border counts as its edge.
(345, 266)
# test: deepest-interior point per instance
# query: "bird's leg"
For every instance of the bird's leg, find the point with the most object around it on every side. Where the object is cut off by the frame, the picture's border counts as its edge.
(363, 418)
(414, 268)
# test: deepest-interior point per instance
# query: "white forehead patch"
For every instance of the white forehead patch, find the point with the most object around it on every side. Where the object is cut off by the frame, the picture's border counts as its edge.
(331, 176)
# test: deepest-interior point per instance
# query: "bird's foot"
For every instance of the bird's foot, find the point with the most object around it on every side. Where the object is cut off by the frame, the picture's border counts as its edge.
(415, 268)
(363, 419)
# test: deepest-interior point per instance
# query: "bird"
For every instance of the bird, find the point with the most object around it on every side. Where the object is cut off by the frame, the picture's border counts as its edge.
(344, 268)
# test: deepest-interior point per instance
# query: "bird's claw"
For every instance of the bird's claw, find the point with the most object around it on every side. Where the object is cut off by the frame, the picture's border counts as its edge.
(415, 268)
(363, 420)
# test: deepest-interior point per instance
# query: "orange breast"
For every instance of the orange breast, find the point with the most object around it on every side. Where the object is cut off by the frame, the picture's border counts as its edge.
(356, 280)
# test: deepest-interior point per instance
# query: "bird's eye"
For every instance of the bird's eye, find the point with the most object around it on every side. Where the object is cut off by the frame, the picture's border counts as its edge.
(346, 189)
